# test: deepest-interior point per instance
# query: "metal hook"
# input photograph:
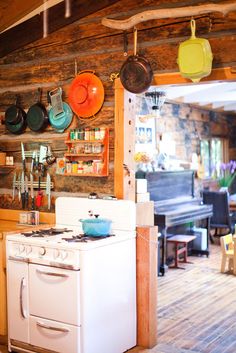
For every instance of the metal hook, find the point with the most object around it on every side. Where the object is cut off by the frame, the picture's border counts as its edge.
(76, 68)
(67, 9)
(45, 19)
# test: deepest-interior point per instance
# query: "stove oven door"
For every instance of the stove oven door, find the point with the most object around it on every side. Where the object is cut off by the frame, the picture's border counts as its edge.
(54, 294)
(54, 336)
(17, 297)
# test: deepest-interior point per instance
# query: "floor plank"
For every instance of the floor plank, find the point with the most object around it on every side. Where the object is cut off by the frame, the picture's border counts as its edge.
(196, 309)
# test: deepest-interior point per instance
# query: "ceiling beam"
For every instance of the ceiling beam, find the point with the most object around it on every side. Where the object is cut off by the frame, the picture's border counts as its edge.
(32, 29)
(15, 10)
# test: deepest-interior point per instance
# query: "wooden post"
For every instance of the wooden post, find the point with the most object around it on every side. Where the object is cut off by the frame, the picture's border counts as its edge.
(147, 286)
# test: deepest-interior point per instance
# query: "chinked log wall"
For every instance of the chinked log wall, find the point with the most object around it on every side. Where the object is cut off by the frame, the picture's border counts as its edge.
(49, 63)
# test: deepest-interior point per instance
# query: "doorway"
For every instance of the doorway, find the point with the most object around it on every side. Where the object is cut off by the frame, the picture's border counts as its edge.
(125, 111)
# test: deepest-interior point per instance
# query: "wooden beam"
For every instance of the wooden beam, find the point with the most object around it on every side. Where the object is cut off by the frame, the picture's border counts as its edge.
(15, 10)
(167, 13)
(147, 286)
(32, 29)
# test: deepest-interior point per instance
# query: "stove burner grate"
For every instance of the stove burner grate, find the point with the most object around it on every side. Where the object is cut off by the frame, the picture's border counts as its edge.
(45, 232)
(81, 238)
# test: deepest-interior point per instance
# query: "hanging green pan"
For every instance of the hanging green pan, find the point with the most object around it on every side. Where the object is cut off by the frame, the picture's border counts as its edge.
(195, 57)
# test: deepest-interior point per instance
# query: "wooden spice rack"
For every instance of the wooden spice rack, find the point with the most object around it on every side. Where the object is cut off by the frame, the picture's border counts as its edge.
(83, 157)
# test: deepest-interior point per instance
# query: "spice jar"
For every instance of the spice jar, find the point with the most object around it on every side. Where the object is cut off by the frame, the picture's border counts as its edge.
(74, 167)
(97, 133)
(102, 133)
(92, 134)
(86, 133)
(88, 148)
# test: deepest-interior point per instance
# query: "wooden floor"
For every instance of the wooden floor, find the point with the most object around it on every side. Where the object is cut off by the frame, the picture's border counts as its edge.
(196, 309)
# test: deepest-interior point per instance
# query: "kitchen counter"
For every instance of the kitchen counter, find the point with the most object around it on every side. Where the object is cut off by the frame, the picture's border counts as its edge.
(9, 224)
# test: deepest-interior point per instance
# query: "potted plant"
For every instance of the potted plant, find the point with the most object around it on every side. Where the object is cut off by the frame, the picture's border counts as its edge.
(227, 175)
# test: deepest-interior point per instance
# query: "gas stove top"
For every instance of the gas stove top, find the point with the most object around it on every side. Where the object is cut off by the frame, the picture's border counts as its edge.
(46, 232)
(63, 234)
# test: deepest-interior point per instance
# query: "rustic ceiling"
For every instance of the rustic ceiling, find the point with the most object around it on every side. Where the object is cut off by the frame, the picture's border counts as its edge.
(215, 96)
(12, 11)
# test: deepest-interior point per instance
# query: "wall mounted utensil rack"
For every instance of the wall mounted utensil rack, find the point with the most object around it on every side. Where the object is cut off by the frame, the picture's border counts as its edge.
(43, 184)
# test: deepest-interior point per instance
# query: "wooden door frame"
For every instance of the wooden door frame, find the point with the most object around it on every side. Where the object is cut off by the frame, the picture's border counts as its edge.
(124, 176)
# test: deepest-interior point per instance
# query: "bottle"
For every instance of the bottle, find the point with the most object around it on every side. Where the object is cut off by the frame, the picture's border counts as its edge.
(97, 133)
(102, 133)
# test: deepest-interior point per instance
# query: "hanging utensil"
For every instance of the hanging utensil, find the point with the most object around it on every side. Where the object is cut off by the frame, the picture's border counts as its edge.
(13, 186)
(48, 190)
(14, 113)
(23, 157)
(15, 118)
(56, 101)
(32, 191)
(60, 114)
(195, 56)
(39, 196)
(26, 193)
(86, 94)
(22, 190)
(136, 72)
(37, 116)
(19, 187)
(50, 159)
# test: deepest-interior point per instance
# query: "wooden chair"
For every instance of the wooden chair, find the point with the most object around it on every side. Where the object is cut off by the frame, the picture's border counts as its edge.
(221, 218)
(227, 252)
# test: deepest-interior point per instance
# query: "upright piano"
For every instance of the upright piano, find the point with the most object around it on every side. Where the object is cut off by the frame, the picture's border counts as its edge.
(175, 204)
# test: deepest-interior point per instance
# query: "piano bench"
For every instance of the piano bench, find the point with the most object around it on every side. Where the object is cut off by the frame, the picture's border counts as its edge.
(180, 247)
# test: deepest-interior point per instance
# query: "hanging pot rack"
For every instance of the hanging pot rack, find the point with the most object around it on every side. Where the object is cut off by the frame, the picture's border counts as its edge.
(168, 13)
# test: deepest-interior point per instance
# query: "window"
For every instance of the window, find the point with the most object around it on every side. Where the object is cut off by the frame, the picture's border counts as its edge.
(214, 151)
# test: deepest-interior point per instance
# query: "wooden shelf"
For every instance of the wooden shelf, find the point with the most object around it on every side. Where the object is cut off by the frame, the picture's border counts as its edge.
(67, 142)
(84, 175)
(83, 157)
(6, 169)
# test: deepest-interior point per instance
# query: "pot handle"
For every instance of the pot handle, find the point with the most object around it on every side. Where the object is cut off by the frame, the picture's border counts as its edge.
(39, 94)
(193, 28)
(83, 71)
(135, 40)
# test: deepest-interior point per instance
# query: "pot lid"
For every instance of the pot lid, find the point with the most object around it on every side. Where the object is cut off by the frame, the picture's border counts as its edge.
(95, 220)
(86, 94)
(63, 120)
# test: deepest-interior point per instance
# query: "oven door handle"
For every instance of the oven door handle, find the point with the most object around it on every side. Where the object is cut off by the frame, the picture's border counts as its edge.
(60, 329)
(18, 258)
(22, 286)
(55, 274)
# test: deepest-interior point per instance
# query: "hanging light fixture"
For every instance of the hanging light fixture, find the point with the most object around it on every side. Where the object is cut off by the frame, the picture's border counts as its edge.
(158, 99)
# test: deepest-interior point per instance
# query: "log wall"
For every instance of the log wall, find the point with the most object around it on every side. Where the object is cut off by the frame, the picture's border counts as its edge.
(50, 62)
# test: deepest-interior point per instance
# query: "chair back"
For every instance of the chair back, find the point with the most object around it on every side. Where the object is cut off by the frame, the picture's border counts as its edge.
(226, 243)
(219, 200)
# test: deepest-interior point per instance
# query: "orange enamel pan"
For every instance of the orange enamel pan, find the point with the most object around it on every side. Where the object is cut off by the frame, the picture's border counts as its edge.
(86, 94)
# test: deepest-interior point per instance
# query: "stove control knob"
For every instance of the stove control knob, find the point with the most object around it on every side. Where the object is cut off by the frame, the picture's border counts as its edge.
(56, 253)
(28, 249)
(21, 248)
(63, 254)
(42, 251)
